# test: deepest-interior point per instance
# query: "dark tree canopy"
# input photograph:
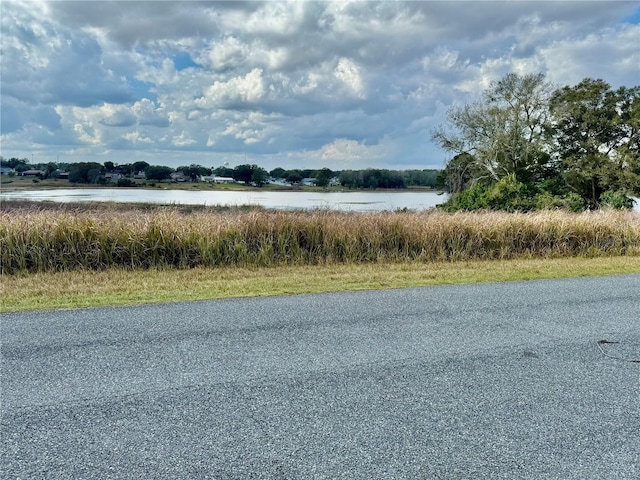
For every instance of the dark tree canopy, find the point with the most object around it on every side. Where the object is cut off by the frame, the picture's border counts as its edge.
(596, 135)
(85, 172)
(158, 172)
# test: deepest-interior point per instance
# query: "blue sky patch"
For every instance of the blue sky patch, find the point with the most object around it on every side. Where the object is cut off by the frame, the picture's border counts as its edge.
(141, 90)
(634, 17)
(183, 60)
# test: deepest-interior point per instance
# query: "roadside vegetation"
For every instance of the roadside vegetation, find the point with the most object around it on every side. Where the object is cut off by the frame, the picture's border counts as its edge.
(58, 237)
(118, 286)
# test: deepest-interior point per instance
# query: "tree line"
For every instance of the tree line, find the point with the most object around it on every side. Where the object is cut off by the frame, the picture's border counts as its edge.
(96, 173)
(526, 146)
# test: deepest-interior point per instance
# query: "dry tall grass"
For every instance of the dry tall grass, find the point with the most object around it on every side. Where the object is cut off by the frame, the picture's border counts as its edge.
(38, 240)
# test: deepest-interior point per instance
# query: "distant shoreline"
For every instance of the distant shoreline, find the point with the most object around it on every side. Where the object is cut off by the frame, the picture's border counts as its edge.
(26, 184)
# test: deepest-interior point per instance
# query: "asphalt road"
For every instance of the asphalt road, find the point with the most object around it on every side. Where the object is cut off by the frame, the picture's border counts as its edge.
(503, 380)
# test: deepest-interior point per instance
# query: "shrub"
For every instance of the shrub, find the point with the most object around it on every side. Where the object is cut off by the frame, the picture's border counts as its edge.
(508, 194)
(571, 202)
(470, 199)
(125, 182)
(616, 199)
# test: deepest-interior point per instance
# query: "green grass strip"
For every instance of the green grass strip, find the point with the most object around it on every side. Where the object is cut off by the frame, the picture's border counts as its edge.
(115, 286)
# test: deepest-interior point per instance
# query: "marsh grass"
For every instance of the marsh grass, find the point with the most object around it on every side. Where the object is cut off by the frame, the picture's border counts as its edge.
(48, 239)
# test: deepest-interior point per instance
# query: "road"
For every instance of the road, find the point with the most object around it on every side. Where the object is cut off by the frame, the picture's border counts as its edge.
(503, 380)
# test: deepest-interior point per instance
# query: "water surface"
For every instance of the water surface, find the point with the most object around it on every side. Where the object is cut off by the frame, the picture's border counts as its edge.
(348, 201)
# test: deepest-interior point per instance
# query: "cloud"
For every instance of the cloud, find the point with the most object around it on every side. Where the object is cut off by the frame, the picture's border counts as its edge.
(115, 116)
(349, 74)
(347, 150)
(235, 92)
(283, 81)
(182, 140)
(136, 137)
(148, 113)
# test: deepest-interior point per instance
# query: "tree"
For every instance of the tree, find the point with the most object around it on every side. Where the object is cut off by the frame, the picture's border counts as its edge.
(323, 176)
(85, 172)
(250, 174)
(50, 169)
(242, 173)
(460, 173)
(505, 131)
(109, 166)
(277, 172)
(158, 172)
(259, 176)
(18, 164)
(596, 134)
(223, 171)
(126, 169)
(422, 178)
(139, 167)
(194, 171)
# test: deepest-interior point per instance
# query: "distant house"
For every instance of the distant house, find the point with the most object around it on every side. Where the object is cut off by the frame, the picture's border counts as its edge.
(6, 170)
(309, 182)
(178, 177)
(33, 173)
(217, 179)
(140, 176)
(279, 182)
(112, 176)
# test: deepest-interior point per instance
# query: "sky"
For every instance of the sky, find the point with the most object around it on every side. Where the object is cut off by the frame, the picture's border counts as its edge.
(303, 84)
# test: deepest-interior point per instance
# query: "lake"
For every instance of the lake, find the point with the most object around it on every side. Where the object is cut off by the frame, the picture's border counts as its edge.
(356, 201)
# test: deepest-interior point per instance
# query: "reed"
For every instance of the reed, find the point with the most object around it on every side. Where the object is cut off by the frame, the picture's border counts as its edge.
(36, 239)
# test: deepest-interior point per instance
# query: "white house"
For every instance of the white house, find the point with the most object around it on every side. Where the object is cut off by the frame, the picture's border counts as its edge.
(33, 173)
(217, 179)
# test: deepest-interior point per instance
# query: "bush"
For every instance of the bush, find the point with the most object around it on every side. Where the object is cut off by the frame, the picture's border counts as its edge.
(616, 199)
(467, 200)
(571, 202)
(507, 194)
(125, 182)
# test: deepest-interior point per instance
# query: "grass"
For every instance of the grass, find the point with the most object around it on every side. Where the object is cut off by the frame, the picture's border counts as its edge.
(34, 239)
(116, 286)
(78, 255)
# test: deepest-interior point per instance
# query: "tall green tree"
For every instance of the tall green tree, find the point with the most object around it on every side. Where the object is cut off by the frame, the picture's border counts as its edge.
(158, 172)
(505, 130)
(323, 176)
(259, 176)
(85, 172)
(194, 171)
(596, 134)
(250, 174)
